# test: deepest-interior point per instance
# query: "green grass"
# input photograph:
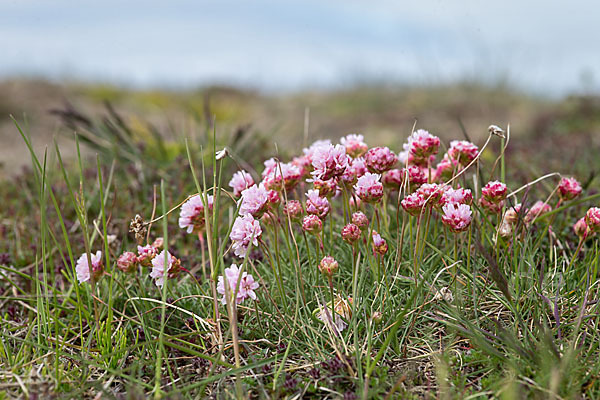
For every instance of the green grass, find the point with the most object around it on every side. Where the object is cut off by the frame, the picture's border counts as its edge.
(522, 321)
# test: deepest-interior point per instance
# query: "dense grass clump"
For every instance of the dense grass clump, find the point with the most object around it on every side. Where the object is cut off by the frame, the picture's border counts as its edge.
(176, 270)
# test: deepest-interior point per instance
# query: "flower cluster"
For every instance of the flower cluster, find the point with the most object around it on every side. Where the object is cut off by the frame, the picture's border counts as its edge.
(245, 290)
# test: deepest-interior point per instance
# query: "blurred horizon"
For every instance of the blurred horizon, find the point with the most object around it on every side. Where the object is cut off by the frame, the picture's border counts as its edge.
(537, 47)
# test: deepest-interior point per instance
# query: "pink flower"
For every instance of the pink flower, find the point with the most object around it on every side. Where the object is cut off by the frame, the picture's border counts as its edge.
(246, 288)
(241, 180)
(270, 166)
(457, 196)
(329, 162)
(360, 219)
(254, 200)
(369, 188)
(158, 267)
(393, 179)
(379, 244)
(310, 151)
(191, 217)
(537, 210)
(355, 145)
(380, 159)
(569, 188)
(355, 170)
(463, 151)
(456, 217)
(304, 165)
(328, 266)
(494, 191)
(146, 254)
(83, 270)
(294, 209)
(413, 204)
(324, 315)
(592, 219)
(416, 175)
(489, 207)
(351, 233)
(511, 216)
(312, 224)
(581, 228)
(447, 168)
(316, 204)
(282, 175)
(326, 188)
(245, 230)
(432, 193)
(423, 144)
(127, 262)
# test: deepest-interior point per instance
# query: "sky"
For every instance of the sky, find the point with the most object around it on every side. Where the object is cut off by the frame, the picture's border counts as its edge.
(546, 47)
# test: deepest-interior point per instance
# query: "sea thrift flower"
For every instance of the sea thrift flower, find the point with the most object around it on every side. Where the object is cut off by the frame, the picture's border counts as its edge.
(84, 271)
(158, 243)
(537, 210)
(191, 217)
(127, 262)
(316, 204)
(328, 266)
(254, 200)
(273, 198)
(393, 179)
(569, 188)
(351, 233)
(312, 224)
(309, 152)
(456, 217)
(158, 267)
(494, 191)
(245, 230)
(283, 175)
(355, 145)
(413, 204)
(360, 219)
(379, 244)
(491, 207)
(423, 144)
(246, 287)
(241, 180)
(329, 162)
(303, 164)
(325, 188)
(355, 170)
(432, 193)
(416, 175)
(368, 188)
(146, 254)
(380, 159)
(463, 151)
(457, 196)
(447, 168)
(511, 216)
(592, 219)
(581, 228)
(294, 209)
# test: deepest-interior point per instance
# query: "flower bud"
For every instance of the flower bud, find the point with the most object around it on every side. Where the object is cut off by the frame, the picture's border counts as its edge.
(581, 228)
(312, 224)
(328, 266)
(379, 244)
(294, 210)
(127, 262)
(592, 219)
(360, 219)
(351, 233)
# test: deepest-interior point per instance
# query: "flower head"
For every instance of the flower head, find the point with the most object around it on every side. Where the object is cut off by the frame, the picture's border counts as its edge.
(413, 204)
(127, 262)
(355, 145)
(84, 271)
(146, 254)
(457, 217)
(379, 244)
(247, 285)
(380, 159)
(416, 175)
(393, 179)
(463, 151)
(316, 204)
(283, 175)
(310, 151)
(511, 216)
(432, 193)
(294, 210)
(254, 200)
(158, 267)
(191, 217)
(342, 310)
(447, 168)
(569, 188)
(494, 191)
(355, 170)
(351, 233)
(457, 196)
(325, 188)
(245, 231)
(581, 228)
(369, 188)
(329, 162)
(360, 219)
(491, 207)
(592, 219)
(328, 266)
(241, 180)
(423, 144)
(312, 224)
(537, 210)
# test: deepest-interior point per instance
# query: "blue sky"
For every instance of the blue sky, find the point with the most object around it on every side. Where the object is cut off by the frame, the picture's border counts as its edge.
(544, 46)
